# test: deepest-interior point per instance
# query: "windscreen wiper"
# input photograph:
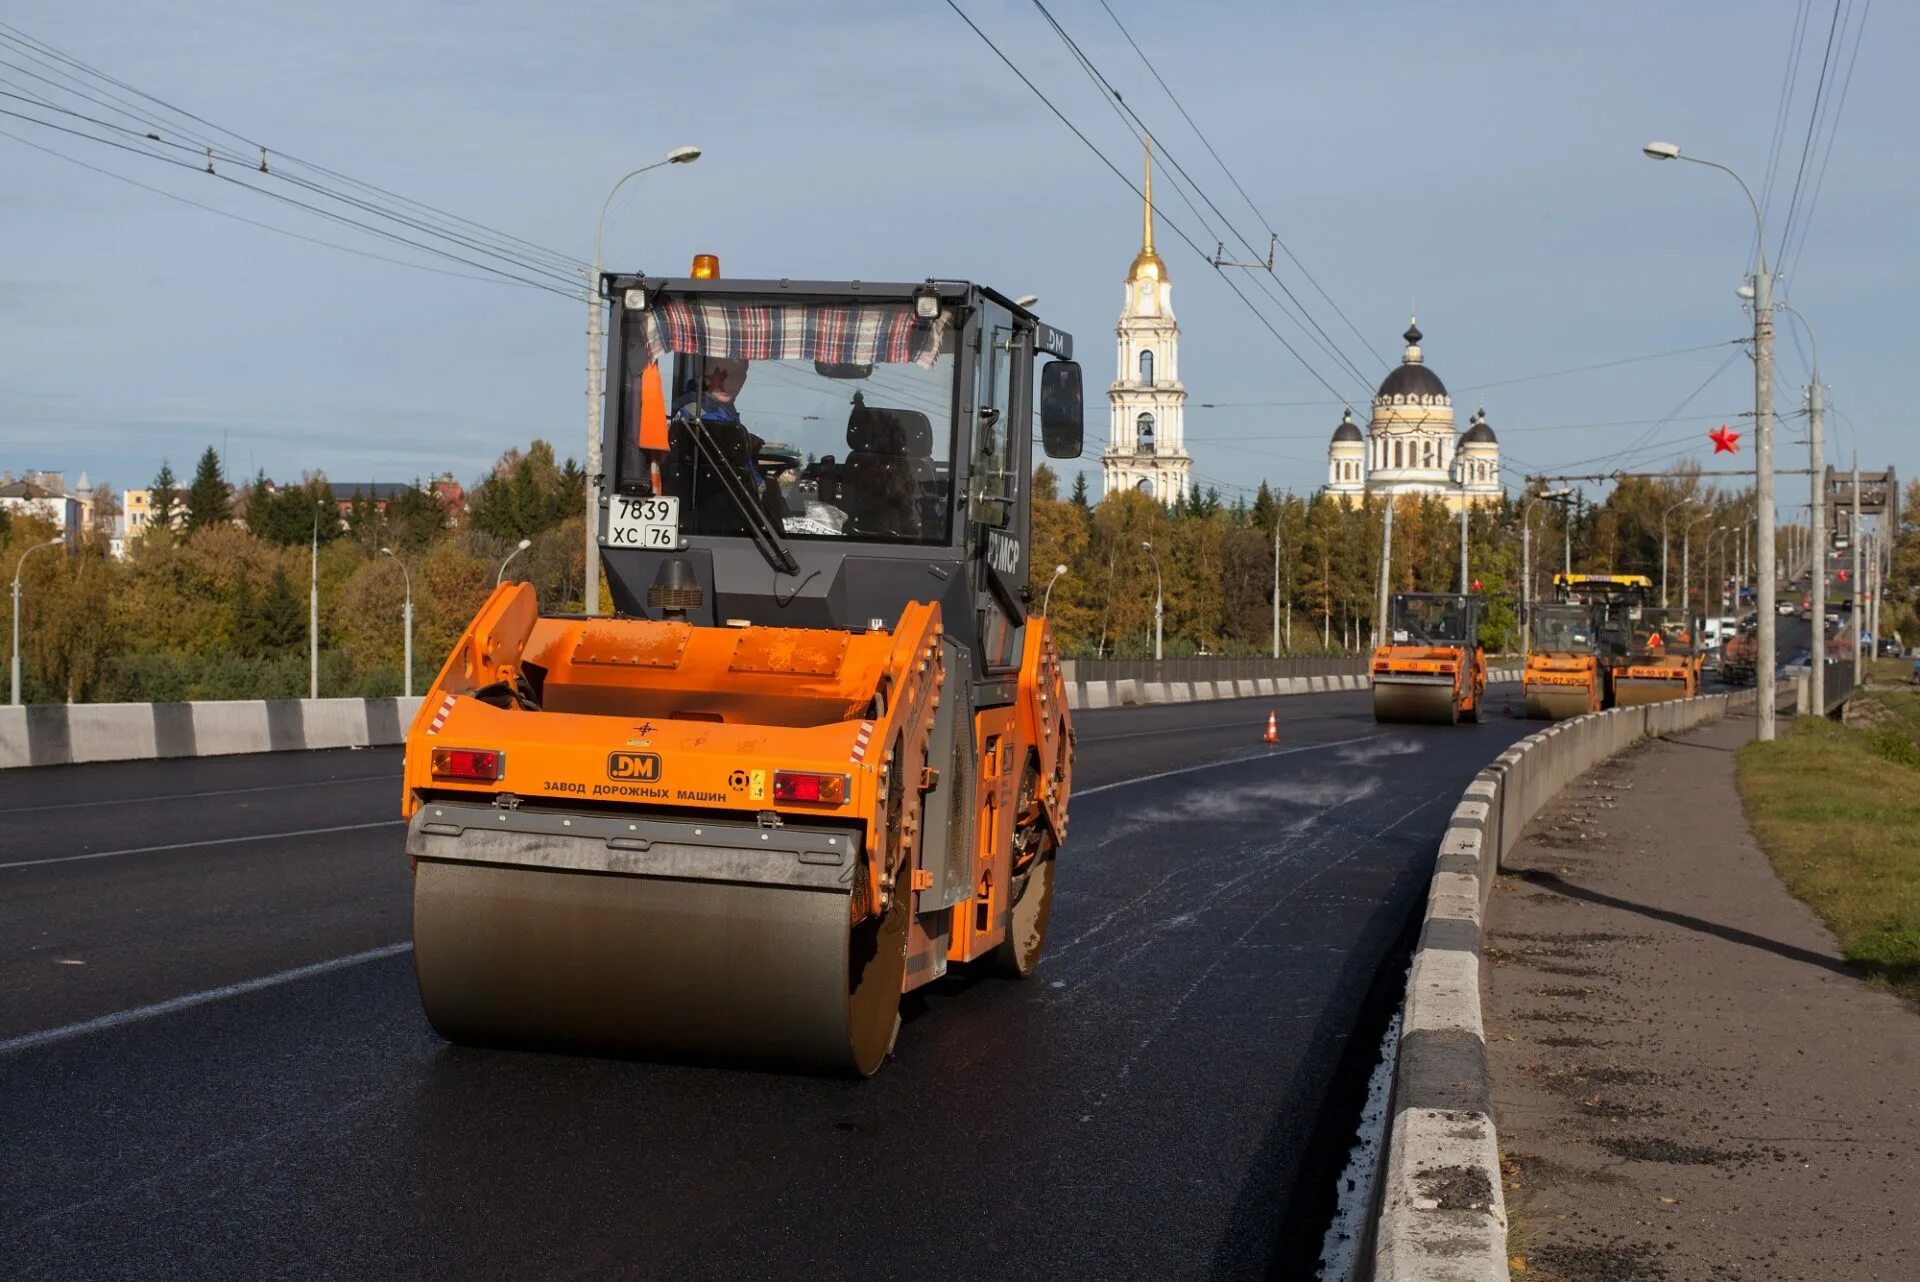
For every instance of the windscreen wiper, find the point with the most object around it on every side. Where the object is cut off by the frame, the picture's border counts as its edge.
(760, 526)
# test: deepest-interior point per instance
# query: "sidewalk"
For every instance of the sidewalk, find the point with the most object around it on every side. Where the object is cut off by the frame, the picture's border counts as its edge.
(1687, 1081)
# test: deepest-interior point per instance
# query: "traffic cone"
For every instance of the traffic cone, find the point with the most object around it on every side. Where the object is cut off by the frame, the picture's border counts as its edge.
(1273, 729)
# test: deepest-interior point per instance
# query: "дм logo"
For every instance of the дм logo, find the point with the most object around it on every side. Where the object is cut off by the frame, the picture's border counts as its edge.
(641, 766)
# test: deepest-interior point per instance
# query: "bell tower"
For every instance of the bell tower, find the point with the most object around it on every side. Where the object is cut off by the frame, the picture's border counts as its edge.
(1146, 448)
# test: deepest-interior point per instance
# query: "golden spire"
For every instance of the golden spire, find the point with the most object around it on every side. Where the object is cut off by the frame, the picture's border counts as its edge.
(1147, 264)
(1146, 217)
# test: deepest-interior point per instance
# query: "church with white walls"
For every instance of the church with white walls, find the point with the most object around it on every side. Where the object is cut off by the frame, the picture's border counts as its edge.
(1409, 446)
(1146, 449)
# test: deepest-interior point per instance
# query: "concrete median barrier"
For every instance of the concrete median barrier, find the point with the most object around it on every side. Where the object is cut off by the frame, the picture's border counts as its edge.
(61, 734)
(1441, 1216)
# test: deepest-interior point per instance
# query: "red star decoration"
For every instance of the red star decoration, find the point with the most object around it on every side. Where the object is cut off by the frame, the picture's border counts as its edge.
(1724, 442)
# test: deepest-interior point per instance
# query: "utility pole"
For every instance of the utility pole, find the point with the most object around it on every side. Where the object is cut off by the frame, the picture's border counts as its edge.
(1859, 617)
(1526, 584)
(1817, 524)
(1763, 482)
(1386, 564)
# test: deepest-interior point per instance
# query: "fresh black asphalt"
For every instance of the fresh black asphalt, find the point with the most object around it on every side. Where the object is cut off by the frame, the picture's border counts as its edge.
(1155, 1103)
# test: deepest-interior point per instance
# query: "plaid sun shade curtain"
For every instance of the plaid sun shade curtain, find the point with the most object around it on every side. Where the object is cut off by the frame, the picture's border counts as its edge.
(834, 333)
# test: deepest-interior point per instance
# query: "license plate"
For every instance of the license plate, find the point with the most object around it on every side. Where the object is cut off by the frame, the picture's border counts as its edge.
(643, 522)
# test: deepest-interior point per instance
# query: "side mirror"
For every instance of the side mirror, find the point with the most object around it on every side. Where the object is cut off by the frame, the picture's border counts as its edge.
(1061, 409)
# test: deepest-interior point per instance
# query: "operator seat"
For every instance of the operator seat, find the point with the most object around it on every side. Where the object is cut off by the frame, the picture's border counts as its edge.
(886, 471)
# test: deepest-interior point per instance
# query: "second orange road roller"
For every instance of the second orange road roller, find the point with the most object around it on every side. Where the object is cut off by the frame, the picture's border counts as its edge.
(820, 751)
(1562, 674)
(1429, 666)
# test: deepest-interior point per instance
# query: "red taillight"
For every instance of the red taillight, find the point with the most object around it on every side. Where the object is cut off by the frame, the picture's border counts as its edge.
(476, 765)
(806, 786)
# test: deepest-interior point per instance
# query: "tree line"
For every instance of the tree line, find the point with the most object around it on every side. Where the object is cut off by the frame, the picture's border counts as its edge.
(203, 607)
(206, 607)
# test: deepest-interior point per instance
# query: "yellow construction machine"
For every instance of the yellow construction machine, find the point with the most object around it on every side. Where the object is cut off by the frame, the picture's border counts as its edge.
(1562, 675)
(820, 750)
(1429, 666)
(1664, 657)
(1613, 600)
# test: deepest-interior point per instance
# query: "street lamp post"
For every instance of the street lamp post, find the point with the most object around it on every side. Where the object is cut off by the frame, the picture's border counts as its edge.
(54, 542)
(1046, 604)
(1762, 436)
(596, 391)
(1663, 551)
(1708, 594)
(520, 547)
(1526, 553)
(1460, 478)
(1158, 599)
(406, 615)
(313, 607)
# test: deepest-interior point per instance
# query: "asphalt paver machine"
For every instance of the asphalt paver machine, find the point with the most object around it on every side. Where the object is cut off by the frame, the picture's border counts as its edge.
(1429, 666)
(821, 748)
(1562, 673)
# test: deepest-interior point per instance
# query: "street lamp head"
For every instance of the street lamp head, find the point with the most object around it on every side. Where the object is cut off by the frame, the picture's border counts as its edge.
(524, 544)
(1059, 570)
(386, 551)
(683, 155)
(1028, 301)
(1147, 544)
(1661, 151)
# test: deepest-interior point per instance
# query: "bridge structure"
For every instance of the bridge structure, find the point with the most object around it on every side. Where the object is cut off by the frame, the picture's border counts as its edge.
(213, 1060)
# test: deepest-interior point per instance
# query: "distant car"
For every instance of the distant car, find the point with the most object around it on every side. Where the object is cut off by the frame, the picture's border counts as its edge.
(1889, 648)
(1783, 607)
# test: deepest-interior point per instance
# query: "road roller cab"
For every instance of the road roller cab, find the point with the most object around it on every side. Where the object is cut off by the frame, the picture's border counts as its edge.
(1429, 666)
(1664, 656)
(1562, 674)
(820, 749)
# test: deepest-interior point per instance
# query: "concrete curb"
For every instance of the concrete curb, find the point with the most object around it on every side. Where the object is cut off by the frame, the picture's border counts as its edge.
(1128, 693)
(1441, 1216)
(58, 734)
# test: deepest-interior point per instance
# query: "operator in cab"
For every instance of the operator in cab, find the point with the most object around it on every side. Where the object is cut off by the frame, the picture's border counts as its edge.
(714, 406)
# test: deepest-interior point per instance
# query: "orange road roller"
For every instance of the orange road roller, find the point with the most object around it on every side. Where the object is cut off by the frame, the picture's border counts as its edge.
(1429, 666)
(820, 750)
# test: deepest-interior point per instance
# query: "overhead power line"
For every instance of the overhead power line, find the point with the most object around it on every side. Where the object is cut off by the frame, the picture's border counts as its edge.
(1796, 251)
(158, 126)
(1172, 226)
(1265, 222)
(1813, 120)
(1298, 311)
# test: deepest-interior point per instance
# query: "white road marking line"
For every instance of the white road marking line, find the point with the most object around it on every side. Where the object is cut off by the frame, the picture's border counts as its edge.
(189, 796)
(194, 845)
(1210, 765)
(27, 1041)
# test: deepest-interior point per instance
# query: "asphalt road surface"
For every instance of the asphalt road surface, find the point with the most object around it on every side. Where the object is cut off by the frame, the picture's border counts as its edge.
(1168, 1097)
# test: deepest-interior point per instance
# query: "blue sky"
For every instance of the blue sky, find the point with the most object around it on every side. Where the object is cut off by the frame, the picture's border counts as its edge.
(1481, 158)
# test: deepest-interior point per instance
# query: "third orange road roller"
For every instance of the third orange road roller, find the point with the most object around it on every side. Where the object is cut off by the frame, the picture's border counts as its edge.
(1664, 657)
(820, 750)
(1429, 665)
